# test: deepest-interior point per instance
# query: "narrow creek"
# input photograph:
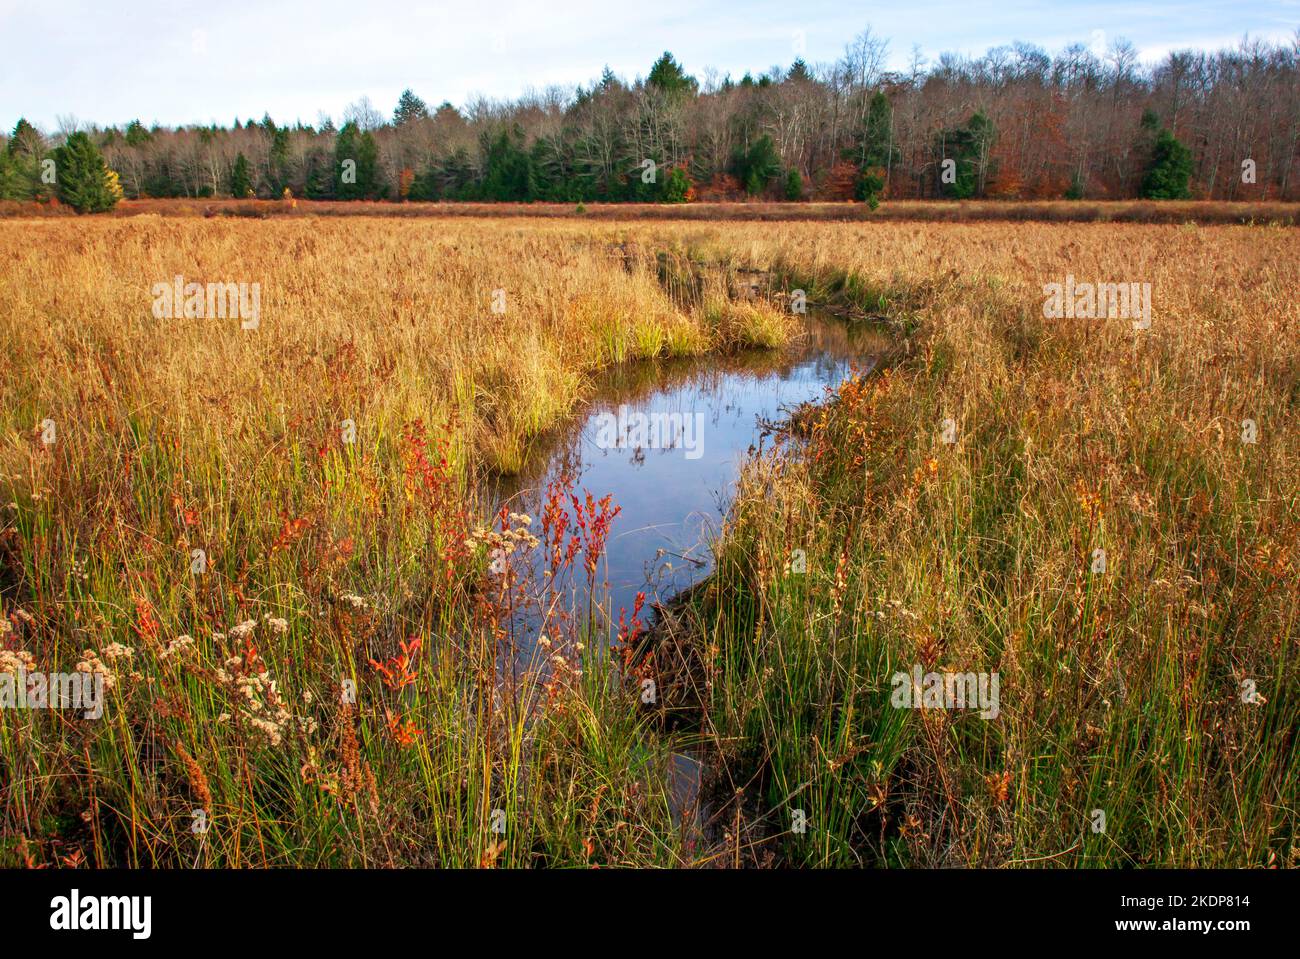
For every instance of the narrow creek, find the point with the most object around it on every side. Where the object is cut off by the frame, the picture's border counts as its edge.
(673, 489)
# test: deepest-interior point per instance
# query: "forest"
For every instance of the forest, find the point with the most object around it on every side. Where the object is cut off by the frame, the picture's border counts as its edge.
(1015, 123)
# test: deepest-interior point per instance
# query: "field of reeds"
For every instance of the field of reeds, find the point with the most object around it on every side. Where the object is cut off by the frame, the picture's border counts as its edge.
(1205, 212)
(275, 547)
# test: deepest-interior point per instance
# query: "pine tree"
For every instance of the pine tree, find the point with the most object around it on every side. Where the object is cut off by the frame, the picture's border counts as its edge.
(677, 186)
(969, 147)
(457, 175)
(136, 134)
(668, 77)
(876, 150)
(241, 181)
(11, 185)
(277, 160)
(20, 166)
(799, 72)
(359, 178)
(25, 139)
(506, 167)
(1169, 171)
(409, 107)
(757, 166)
(793, 185)
(82, 179)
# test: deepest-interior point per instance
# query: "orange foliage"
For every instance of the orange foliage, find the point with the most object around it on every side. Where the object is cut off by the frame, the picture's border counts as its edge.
(722, 188)
(840, 183)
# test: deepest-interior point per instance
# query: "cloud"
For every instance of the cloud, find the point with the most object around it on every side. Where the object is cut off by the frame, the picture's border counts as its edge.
(179, 61)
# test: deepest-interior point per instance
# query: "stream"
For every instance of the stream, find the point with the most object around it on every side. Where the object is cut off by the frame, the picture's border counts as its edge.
(666, 439)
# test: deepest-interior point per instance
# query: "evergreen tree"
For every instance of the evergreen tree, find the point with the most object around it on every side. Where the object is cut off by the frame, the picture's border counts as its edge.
(425, 186)
(359, 178)
(25, 140)
(793, 185)
(318, 178)
(20, 172)
(876, 150)
(553, 172)
(277, 160)
(1170, 169)
(757, 166)
(409, 107)
(677, 186)
(668, 77)
(458, 175)
(241, 180)
(506, 167)
(969, 147)
(799, 72)
(82, 179)
(11, 185)
(136, 134)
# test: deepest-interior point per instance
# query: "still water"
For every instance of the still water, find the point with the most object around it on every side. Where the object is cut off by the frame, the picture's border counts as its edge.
(674, 488)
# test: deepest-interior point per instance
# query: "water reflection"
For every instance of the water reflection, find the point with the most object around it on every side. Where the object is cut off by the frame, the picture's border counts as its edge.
(673, 499)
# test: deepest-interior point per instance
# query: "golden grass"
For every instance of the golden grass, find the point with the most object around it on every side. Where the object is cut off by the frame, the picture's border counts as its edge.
(929, 211)
(181, 434)
(377, 322)
(1121, 691)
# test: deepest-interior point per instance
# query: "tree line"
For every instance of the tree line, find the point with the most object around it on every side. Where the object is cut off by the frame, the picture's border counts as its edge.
(1014, 123)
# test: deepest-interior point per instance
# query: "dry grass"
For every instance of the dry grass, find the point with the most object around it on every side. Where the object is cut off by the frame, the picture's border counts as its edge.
(183, 434)
(1120, 691)
(925, 211)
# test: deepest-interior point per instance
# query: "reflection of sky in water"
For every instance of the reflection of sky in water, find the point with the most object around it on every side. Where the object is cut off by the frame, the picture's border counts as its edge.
(670, 502)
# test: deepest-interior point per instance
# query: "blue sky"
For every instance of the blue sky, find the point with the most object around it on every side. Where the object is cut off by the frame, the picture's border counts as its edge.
(180, 61)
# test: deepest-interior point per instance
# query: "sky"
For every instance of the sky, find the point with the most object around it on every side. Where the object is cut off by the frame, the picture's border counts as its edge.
(183, 62)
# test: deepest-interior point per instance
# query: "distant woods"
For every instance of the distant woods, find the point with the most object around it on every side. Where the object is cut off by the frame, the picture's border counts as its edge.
(1015, 123)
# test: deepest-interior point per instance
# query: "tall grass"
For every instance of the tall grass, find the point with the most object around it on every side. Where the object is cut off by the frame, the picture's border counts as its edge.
(333, 565)
(322, 556)
(1121, 691)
